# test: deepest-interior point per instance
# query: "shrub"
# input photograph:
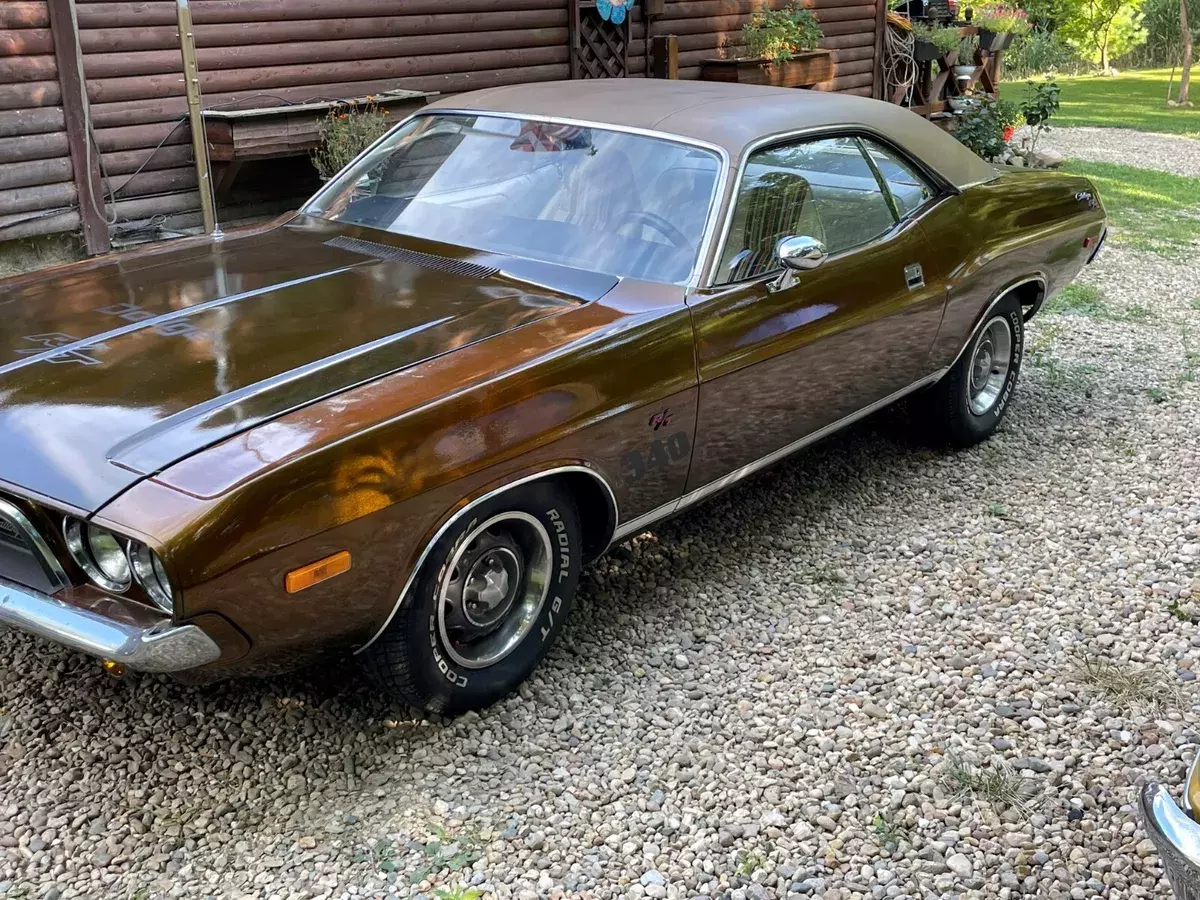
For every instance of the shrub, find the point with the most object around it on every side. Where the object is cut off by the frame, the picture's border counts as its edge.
(347, 132)
(1038, 52)
(1038, 105)
(779, 34)
(980, 129)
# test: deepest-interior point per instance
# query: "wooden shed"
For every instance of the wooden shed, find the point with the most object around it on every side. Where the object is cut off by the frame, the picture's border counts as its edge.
(93, 129)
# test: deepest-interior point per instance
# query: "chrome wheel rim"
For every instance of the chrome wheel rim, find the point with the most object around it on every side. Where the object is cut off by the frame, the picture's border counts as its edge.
(493, 588)
(990, 360)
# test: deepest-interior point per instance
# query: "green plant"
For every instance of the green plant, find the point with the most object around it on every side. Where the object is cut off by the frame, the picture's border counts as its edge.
(997, 510)
(345, 133)
(1078, 299)
(999, 784)
(1158, 395)
(1007, 113)
(945, 39)
(1037, 107)
(967, 46)
(1003, 19)
(979, 129)
(749, 862)
(889, 833)
(458, 892)
(779, 34)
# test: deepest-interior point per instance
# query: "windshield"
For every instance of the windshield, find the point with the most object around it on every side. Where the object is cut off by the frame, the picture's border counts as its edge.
(606, 201)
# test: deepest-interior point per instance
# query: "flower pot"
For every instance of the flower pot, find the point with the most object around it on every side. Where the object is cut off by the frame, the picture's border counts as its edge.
(964, 71)
(809, 67)
(993, 40)
(925, 51)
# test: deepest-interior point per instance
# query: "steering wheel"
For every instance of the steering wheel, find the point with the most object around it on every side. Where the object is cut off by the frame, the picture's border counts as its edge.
(659, 224)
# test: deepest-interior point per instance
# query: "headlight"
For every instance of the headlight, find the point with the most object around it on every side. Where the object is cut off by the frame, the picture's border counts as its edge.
(101, 555)
(150, 575)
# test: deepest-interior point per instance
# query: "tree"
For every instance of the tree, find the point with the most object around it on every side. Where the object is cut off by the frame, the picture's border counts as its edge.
(1185, 76)
(1102, 29)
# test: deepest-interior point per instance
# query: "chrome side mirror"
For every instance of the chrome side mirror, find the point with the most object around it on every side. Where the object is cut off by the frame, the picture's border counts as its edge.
(796, 254)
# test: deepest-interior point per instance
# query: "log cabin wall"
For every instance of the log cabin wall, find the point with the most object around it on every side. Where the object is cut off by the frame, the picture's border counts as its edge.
(707, 28)
(269, 52)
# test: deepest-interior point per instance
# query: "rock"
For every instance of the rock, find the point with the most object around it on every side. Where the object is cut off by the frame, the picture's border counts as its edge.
(1032, 763)
(1045, 159)
(652, 877)
(959, 865)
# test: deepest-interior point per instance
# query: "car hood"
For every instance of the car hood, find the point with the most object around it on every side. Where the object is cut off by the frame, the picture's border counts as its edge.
(112, 371)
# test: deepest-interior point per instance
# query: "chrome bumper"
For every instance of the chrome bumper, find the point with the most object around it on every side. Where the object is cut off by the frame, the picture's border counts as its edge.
(157, 647)
(1177, 839)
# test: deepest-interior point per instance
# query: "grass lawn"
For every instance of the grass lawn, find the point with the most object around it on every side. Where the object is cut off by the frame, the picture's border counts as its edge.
(1149, 210)
(1133, 99)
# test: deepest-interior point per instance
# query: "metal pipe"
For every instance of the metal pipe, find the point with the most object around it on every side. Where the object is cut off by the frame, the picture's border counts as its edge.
(191, 77)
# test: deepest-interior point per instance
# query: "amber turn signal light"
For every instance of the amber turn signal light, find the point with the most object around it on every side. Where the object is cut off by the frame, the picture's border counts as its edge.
(315, 573)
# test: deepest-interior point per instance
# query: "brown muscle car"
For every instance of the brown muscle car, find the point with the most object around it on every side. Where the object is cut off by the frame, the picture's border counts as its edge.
(529, 322)
(1175, 832)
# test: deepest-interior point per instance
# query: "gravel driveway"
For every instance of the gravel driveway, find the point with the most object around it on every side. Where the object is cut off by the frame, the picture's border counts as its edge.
(1123, 146)
(874, 671)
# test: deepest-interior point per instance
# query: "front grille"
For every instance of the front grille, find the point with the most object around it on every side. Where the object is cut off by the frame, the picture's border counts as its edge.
(414, 257)
(25, 557)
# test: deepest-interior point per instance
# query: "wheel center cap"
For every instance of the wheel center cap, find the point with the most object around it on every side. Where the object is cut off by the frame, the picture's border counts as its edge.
(489, 588)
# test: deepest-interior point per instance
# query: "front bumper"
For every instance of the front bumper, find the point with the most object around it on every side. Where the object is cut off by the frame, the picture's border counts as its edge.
(1177, 839)
(147, 643)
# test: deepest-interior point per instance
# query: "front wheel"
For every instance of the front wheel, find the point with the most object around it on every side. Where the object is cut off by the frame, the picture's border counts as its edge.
(967, 405)
(487, 605)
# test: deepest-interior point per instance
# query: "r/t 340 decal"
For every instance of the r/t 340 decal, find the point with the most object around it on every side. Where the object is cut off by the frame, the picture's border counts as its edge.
(660, 454)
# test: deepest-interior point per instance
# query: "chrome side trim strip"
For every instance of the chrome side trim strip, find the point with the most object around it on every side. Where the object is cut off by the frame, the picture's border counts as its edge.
(635, 526)
(51, 565)
(160, 647)
(537, 476)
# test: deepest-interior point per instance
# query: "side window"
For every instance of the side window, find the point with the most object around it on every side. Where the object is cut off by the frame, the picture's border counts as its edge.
(908, 189)
(824, 189)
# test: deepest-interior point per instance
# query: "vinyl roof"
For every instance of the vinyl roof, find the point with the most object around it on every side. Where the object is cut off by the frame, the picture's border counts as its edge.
(726, 114)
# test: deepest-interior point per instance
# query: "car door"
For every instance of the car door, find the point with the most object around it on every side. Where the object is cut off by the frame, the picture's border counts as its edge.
(782, 357)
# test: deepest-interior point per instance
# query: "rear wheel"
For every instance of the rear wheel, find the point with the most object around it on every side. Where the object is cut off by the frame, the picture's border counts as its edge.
(968, 404)
(486, 606)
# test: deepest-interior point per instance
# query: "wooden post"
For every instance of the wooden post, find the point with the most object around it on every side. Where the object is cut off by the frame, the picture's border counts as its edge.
(877, 86)
(85, 155)
(191, 77)
(666, 56)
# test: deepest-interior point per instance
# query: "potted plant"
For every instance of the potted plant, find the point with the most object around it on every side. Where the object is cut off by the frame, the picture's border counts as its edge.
(933, 41)
(998, 25)
(781, 49)
(966, 57)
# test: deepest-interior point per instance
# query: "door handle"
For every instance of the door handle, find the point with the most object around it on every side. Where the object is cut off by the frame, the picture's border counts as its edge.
(914, 277)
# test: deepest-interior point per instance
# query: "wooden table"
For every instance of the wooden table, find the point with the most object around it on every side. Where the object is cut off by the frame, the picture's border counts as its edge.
(238, 135)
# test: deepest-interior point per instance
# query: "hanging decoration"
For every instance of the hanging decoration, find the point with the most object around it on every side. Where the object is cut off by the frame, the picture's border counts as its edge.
(613, 10)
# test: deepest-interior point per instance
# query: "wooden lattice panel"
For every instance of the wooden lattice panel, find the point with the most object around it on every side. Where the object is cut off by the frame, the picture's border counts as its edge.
(599, 48)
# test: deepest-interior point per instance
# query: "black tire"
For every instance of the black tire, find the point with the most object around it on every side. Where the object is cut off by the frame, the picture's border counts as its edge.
(947, 406)
(413, 660)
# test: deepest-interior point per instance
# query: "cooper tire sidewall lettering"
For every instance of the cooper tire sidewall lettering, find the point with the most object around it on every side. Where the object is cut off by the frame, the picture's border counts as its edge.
(565, 562)
(1016, 322)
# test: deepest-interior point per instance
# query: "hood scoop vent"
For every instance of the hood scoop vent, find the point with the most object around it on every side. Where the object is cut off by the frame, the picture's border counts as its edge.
(413, 257)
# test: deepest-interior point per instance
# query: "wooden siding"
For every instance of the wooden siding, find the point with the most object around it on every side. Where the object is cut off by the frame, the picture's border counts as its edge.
(35, 164)
(267, 52)
(709, 28)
